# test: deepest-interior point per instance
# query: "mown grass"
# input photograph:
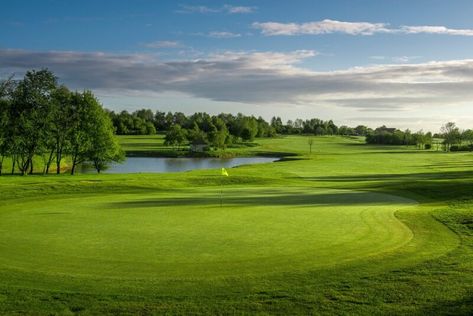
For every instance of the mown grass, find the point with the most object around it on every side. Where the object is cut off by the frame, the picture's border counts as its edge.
(348, 229)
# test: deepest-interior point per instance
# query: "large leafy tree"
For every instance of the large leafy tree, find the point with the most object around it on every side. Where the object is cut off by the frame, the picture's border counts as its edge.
(104, 147)
(91, 137)
(30, 116)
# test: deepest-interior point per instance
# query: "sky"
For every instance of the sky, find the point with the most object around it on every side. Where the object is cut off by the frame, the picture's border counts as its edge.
(406, 64)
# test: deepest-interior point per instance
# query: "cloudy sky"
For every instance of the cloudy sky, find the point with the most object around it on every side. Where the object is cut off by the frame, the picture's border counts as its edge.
(402, 63)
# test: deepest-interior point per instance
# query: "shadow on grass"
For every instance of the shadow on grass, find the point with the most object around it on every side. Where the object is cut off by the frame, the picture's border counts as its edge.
(441, 186)
(462, 306)
(145, 145)
(399, 177)
(265, 198)
(276, 154)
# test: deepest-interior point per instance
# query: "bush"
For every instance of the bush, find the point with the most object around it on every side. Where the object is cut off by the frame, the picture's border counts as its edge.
(461, 148)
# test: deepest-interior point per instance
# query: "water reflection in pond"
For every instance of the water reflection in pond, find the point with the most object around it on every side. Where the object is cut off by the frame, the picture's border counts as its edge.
(163, 165)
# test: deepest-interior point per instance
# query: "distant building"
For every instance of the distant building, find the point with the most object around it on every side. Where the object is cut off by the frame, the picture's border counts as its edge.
(198, 146)
(385, 129)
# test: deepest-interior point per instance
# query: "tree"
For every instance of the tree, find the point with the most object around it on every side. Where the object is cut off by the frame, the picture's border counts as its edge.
(276, 123)
(4, 111)
(160, 121)
(319, 131)
(175, 136)
(407, 137)
(144, 114)
(361, 130)
(451, 135)
(104, 147)
(150, 129)
(6, 88)
(420, 139)
(196, 136)
(467, 136)
(310, 142)
(249, 128)
(30, 115)
(61, 128)
(91, 137)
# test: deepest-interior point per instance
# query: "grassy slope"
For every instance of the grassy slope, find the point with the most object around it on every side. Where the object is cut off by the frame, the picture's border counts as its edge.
(349, 229)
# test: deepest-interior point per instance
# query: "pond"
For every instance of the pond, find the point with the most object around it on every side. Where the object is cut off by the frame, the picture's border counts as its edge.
(163, 165)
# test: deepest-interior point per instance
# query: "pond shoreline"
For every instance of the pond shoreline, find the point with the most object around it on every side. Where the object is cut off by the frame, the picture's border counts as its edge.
(172, 164)
(189, 154)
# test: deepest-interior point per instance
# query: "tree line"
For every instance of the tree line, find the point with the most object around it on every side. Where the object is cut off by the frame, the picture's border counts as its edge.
(219, 131)
(40, 118)
(392, 136)
(450, 138)
(456, 139)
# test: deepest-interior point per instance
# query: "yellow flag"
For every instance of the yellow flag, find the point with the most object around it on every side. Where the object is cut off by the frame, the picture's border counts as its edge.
(224, 172)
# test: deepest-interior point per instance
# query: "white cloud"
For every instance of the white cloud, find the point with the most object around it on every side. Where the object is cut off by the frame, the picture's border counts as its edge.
(196, 9)
(404, 59)
(321, 27)
(263, 78)
(229, 9)
(395, 59)
(238, 9)
(223, 35)
(436, 30)
(163, 44)
(352, 28)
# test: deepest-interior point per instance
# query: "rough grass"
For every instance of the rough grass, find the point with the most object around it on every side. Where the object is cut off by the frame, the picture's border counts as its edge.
(349, 229)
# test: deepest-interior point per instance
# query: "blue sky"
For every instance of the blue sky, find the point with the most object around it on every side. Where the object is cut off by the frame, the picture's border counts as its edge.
(402, 63)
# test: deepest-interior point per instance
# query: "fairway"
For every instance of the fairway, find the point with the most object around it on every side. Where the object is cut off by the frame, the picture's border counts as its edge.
(188, 235)
(351, 228)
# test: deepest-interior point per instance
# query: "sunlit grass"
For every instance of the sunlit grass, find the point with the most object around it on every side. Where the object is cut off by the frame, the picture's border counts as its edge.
(350, 228)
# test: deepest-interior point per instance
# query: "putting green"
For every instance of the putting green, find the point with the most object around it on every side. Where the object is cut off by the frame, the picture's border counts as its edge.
(187, 234)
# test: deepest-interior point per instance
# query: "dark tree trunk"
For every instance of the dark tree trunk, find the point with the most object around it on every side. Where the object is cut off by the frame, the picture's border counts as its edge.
(31, 166)
(58, 157)
(23, 165)
(74, 164)
(58, 162)
(50, 160)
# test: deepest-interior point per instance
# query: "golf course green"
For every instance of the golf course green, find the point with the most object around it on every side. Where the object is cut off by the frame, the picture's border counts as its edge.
(347, 229)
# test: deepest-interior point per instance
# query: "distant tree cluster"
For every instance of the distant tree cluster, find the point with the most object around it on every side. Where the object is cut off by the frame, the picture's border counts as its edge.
(450, 138)
(137, 123)
(221, 130)
(312, 126)
(455, 139)
(214, 131)
(392, 136)
(40, 118)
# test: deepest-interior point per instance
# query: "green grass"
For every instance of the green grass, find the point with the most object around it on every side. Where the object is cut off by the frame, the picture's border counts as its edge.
(349, 229)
